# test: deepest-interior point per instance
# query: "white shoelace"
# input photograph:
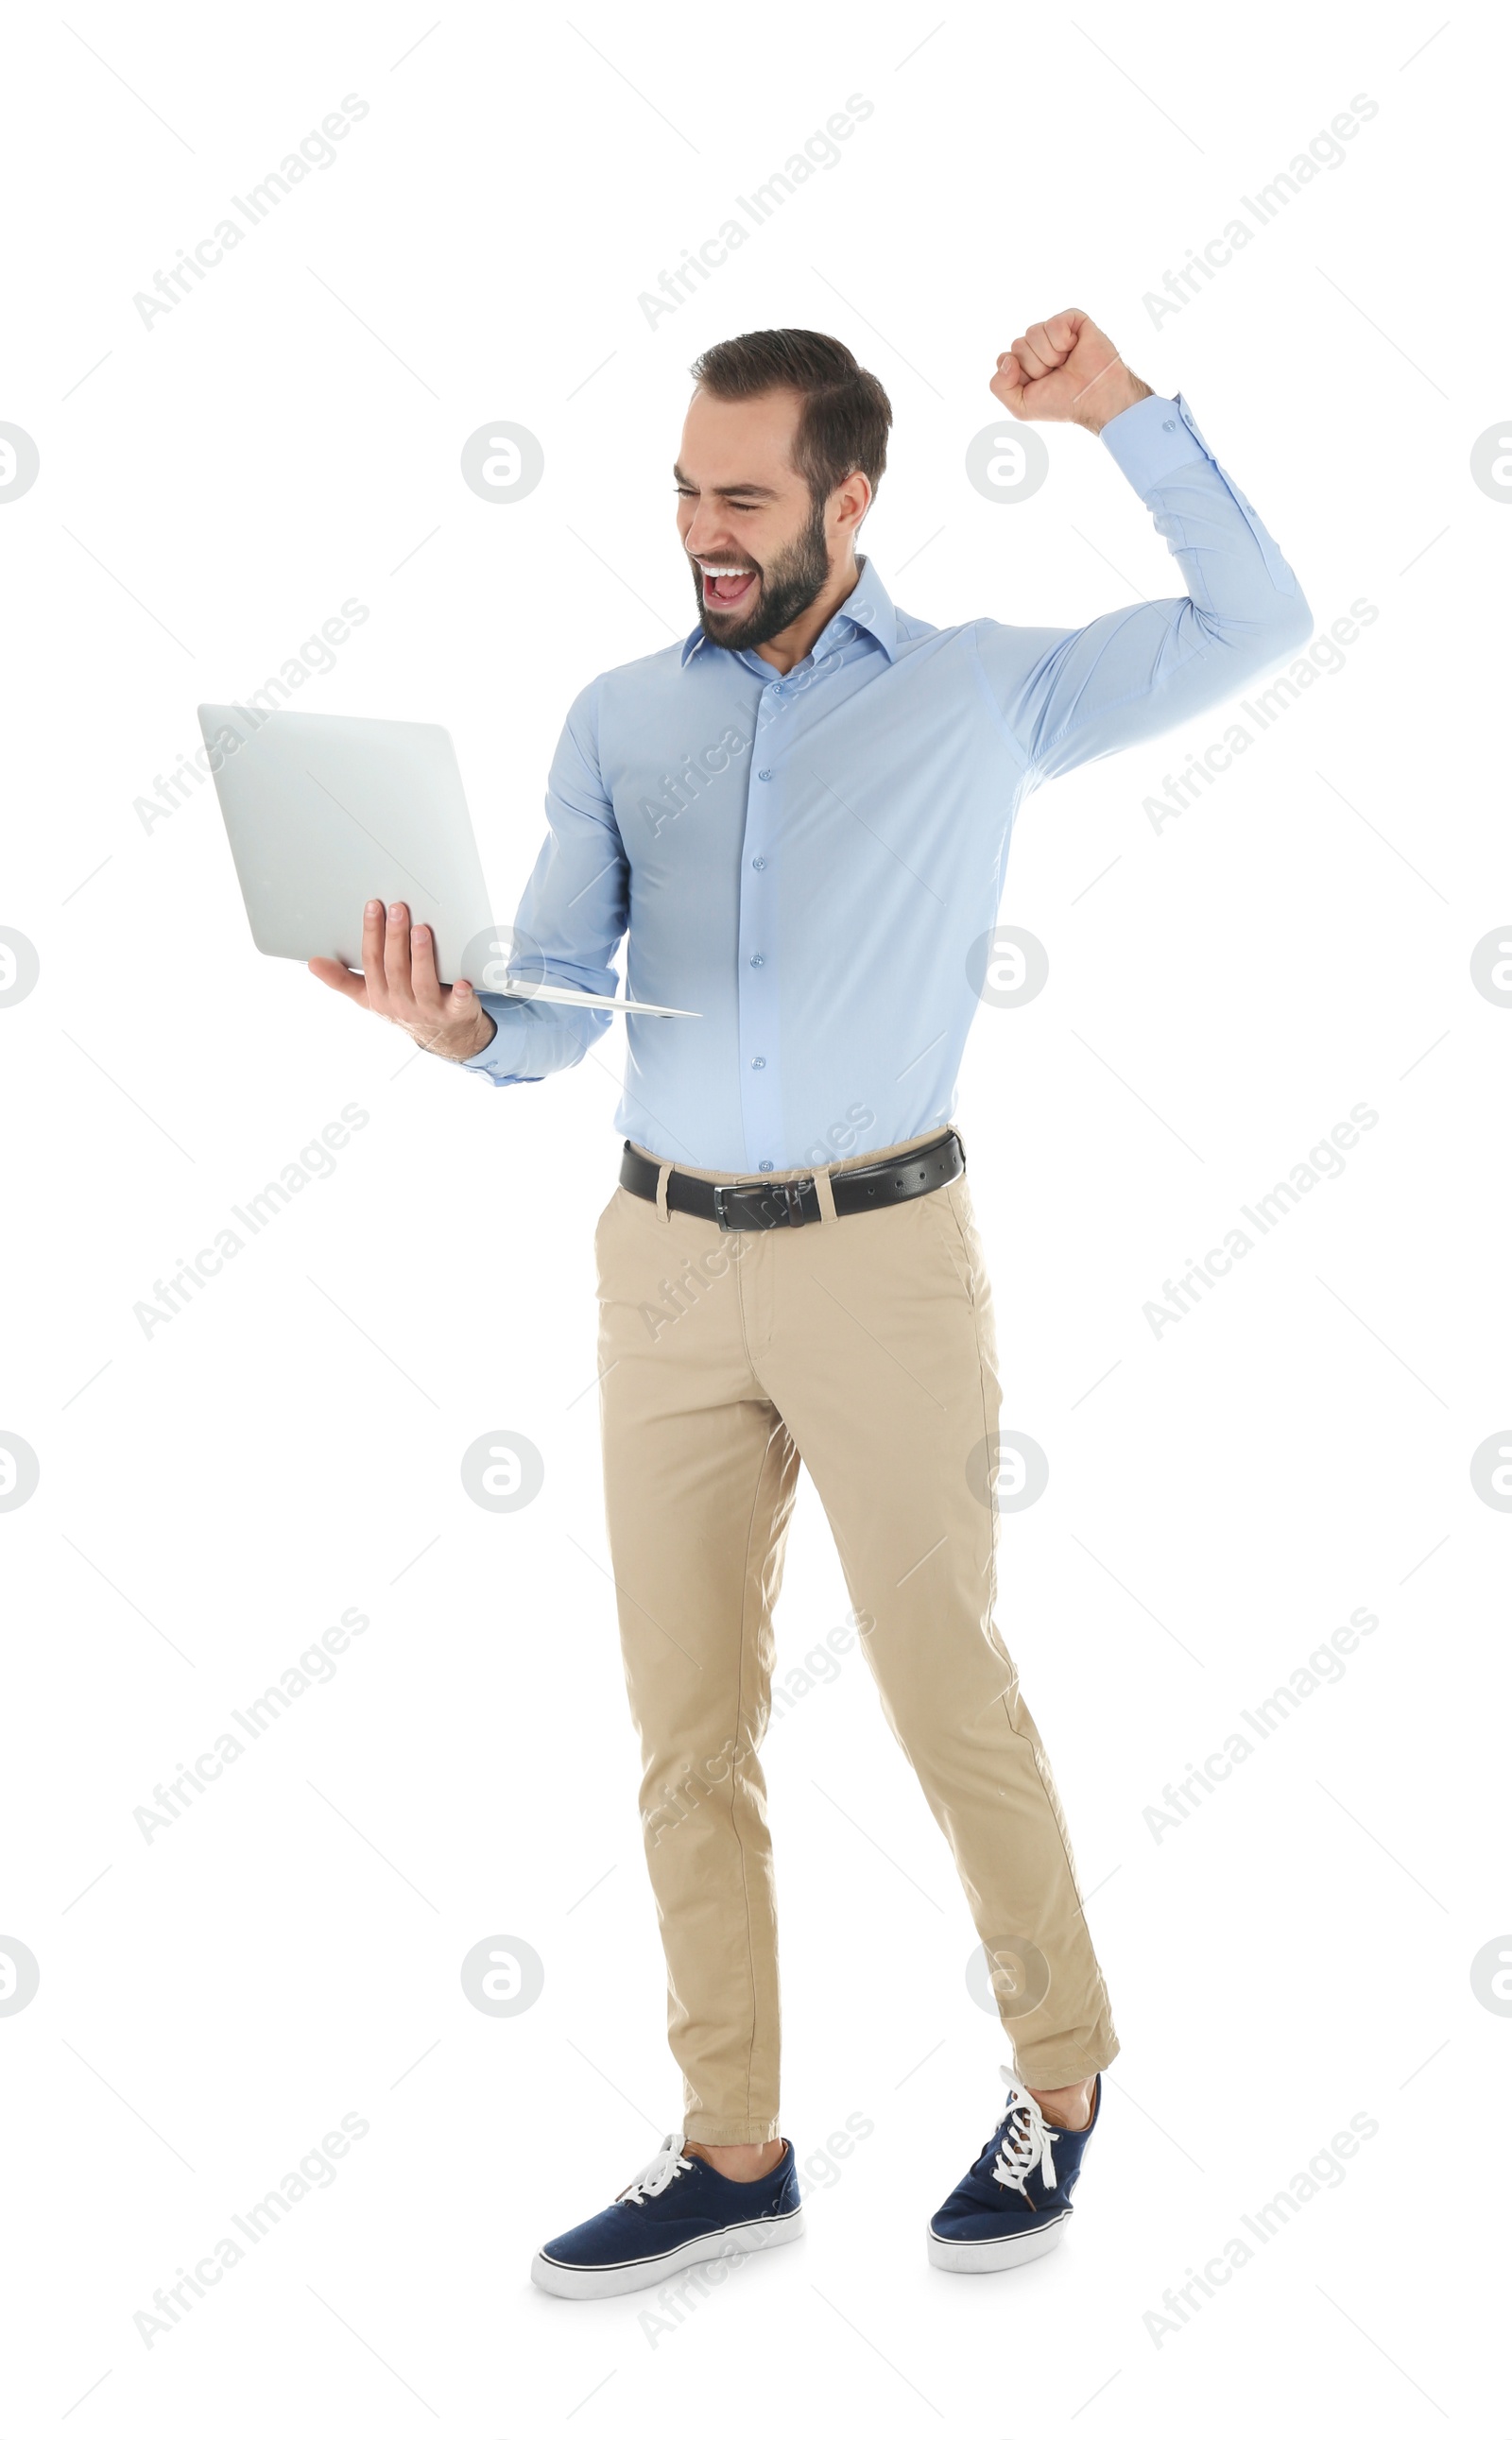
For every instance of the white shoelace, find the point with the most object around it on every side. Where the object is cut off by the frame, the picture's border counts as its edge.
(1024, 2140)
(658, 2174)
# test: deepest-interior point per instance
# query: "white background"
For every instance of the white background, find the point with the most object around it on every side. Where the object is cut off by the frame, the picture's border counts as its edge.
(1222, 992)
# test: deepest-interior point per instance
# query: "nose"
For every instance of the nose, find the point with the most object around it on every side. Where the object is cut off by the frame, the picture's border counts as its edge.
(703, 539)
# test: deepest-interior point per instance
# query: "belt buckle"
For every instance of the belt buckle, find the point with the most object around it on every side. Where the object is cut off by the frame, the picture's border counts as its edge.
(770, 1211)
(781, 1205)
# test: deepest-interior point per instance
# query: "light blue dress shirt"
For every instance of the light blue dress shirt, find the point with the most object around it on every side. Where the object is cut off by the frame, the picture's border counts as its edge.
(814, 861)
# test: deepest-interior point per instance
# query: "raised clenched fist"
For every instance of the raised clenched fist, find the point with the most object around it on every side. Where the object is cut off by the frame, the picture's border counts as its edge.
(1066, 370)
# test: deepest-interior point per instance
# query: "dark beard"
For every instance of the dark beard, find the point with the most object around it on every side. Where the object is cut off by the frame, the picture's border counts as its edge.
(790, 586)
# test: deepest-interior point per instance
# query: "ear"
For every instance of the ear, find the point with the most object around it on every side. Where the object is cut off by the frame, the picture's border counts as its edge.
(851, 500)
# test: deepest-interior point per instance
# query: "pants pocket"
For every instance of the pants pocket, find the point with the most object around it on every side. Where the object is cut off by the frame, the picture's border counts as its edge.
(615, 1198)
(958, 1240)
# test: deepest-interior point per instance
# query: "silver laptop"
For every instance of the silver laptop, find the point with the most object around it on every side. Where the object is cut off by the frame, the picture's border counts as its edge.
(324, 811)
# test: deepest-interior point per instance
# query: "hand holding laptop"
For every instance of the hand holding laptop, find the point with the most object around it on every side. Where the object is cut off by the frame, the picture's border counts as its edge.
(399, 981)
(323, 810)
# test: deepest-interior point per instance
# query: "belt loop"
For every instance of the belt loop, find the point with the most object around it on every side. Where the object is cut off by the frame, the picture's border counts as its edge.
(662, 1175)
(826, 1194)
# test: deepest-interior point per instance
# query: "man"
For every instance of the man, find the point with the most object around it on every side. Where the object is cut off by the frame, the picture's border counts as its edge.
(799, 817)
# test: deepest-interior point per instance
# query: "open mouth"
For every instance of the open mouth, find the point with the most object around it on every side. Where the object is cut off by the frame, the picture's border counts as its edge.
(726, 587)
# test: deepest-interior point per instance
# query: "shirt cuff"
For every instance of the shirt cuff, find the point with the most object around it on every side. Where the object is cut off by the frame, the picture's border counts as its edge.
(499, 1058)
(1151, 438)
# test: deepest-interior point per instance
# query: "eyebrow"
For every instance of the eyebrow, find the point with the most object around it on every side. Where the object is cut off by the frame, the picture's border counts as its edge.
(728, 491)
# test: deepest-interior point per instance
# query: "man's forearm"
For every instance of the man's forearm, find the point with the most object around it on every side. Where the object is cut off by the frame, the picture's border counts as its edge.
(1108, 394)
(468, 1048)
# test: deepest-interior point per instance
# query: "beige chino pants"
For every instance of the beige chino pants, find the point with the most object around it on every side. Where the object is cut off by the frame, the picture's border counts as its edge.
(862, 1348)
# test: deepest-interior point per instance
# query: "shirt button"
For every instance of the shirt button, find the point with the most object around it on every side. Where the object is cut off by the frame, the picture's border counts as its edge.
(758, 960)
(764, 1164)
(763, 775)
(758, 863)
(758, 1063)
(1167, 426)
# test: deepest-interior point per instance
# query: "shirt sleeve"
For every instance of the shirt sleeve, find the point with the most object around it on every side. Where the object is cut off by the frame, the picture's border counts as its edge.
(1071, 694)
(569, 921)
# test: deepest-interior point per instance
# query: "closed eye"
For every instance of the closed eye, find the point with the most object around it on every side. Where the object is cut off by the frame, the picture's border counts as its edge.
(742, 508)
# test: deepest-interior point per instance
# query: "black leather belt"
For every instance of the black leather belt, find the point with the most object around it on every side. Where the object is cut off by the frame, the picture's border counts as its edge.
(793, 1202)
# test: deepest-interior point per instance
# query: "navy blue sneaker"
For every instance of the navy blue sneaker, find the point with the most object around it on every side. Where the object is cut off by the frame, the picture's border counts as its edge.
(679, 2210)
(1015, 2200)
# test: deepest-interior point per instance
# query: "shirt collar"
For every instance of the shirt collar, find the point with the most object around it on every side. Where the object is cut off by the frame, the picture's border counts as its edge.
(866, 609)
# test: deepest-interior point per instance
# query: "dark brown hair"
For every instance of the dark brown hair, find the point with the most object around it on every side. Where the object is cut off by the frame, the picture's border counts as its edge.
(846, 414)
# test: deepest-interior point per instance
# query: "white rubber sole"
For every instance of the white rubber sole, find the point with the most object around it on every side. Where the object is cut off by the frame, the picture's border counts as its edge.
(994, 2254)
(622, 2278)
